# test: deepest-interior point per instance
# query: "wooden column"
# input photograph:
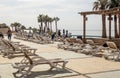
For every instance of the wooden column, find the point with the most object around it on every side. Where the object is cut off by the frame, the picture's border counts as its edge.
(84, 28)
(119, 23)
(109, 18)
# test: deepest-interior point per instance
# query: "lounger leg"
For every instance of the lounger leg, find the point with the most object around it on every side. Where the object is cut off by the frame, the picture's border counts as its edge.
(117, 58)
(30, 68)
(64, 64)
(24, 72)
(51, 66)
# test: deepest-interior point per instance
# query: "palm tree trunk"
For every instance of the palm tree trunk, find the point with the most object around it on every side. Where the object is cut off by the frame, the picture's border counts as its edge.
(56, 28)
(42, 27)
(104, 26)
(45, 27)
(50, 26)
(115, 29)
(39, 29)
(12, 28)
(109, 18)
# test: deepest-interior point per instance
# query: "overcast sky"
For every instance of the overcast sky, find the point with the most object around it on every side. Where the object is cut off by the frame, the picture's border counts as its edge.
(26, 12)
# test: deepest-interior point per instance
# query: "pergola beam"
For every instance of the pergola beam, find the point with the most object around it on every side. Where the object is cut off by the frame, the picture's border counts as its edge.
(114, 11)
(106, 12)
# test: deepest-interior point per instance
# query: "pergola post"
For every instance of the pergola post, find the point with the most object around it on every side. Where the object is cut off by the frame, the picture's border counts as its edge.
(101, 12)
(84, 28)
(119, 23)
(109, 18)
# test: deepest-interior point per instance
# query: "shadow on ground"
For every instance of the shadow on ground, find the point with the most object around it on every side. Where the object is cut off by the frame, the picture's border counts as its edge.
(50, 74)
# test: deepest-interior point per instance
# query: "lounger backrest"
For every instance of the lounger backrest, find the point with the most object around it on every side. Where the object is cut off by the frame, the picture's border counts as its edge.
(41, 38)
(91, 42)
(79, 41)
(8, 44)
(4, 42)
(27, 57)
(111, 45)
(11, 46)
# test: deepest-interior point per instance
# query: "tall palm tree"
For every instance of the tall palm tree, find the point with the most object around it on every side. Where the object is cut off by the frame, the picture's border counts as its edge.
(12, 26)
(114, 4)
(56, 19)
(45, 20)
(40, 20)
(100, 5)
(50, 21)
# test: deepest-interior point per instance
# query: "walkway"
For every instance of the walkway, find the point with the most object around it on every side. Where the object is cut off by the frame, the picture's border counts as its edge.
(79, 66)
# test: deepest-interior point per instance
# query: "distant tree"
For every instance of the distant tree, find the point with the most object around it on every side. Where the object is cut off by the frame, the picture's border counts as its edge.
(45, 20)
(34, 30)
(23, 27)
(16, 25)
(40, 20)
(29, 28)
(11, 25)
(3, 25)
(56, 19)
(50, 21)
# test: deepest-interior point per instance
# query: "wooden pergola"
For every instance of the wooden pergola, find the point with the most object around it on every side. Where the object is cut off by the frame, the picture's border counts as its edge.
(109, 13)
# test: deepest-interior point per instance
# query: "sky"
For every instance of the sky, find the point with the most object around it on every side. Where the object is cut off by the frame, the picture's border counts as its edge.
(27, 11)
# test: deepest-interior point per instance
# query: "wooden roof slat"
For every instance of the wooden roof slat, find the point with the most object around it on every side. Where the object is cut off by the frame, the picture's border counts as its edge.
(107, 12)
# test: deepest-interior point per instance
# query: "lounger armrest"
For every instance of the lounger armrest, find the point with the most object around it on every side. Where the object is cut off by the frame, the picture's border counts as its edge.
(32, 50)
(59, 60)
(16, 43)
(20, 65)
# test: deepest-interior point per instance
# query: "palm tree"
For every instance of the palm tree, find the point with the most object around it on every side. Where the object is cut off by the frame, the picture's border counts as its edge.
(23, 27)
(45, 20)
(3, 25)
(50, 21)
(114, 4)
(16, 25)
(56, 19)
(11, 26)
(100, 5)
(34, 30)
(40, 20)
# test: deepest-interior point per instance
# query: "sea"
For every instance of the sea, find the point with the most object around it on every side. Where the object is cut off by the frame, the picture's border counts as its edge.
(89, 33)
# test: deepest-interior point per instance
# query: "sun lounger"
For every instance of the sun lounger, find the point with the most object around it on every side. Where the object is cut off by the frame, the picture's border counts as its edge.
(30, 62)
(71, 44)
(15, 49)
(92, 49)
(111, 52)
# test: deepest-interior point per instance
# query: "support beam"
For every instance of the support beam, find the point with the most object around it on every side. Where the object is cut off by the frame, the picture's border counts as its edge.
(119, 23)
(109, 18)
(84, 28)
